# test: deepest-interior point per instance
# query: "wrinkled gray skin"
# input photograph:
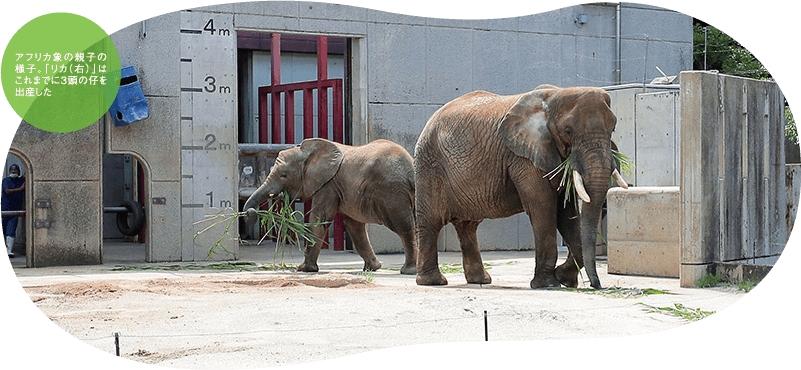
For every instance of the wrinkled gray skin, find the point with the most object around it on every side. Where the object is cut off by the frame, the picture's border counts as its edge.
(484, 156)
(373, 183)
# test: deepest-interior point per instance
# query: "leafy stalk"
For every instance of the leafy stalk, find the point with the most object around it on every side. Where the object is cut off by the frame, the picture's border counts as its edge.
(279, 219)
(566, 169)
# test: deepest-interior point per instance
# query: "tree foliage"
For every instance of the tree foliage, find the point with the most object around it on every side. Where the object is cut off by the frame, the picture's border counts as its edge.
(724, 54)
(715, 50)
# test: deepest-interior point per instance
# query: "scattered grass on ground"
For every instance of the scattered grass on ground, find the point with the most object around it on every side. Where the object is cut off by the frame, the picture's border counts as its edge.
(708, 281)
(240, 266)
(456, 268)
(711, 281)
(679, 310)
(616, 292)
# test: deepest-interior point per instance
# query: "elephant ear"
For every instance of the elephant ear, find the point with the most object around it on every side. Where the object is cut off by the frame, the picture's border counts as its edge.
(525, 132)
(323, 159)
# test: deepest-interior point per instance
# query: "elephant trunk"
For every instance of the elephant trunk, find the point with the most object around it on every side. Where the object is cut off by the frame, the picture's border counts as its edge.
(597, 165)
(589, 225)
(264, 193)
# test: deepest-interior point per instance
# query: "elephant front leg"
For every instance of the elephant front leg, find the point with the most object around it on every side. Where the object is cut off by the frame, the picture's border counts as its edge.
(312, 251)
(544, 225)
(568, 225)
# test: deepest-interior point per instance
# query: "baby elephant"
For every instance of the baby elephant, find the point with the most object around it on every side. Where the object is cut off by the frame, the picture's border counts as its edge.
(372, 183)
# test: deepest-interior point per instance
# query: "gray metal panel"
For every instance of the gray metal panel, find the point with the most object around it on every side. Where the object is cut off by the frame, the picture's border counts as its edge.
(656, 139)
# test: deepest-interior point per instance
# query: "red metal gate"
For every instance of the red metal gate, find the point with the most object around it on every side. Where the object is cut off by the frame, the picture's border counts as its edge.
(273, 130)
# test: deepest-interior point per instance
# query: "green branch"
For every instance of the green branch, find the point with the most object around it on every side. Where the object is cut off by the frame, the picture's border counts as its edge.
(278, 219)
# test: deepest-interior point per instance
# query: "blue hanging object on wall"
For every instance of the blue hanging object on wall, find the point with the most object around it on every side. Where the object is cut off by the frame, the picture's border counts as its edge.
(130, 105)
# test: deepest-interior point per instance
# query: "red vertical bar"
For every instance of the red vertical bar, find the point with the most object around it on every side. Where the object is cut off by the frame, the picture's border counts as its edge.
(308, 113)
(322, 112)
(264, 128)
(339, 116)
(339, 233)
(275, 80)
(289, 117)
(322, 93)
(275, 59)
(322, 58)
(275, 117)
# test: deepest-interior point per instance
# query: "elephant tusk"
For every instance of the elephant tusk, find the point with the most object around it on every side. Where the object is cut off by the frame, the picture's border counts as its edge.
(619, 179)
(582, 193)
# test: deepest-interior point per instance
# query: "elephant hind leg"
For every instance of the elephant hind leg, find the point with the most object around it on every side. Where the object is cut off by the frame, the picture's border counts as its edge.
(429, 218)
(474, 270)
(403, 226)
(361, 243)
(427, 260)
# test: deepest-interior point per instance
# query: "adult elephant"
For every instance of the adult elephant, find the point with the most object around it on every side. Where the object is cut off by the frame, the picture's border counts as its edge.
(486, 156)
(373, 183)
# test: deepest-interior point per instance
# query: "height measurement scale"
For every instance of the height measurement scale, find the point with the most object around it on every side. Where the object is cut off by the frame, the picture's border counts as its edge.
(208, 131)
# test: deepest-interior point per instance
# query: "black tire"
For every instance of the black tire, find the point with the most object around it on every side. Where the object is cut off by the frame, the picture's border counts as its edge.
(131, 222)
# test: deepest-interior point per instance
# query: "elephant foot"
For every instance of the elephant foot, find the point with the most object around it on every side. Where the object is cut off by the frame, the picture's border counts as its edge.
(308, 267)
(546, 281)
(372, 265)
(435, 278)
(409, 269)
(478, 278)
(595, 282)
(566, 276)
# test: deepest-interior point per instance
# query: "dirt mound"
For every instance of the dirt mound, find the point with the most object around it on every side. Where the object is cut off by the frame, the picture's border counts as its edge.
(318, 281)
(77, 289)
(200, 284)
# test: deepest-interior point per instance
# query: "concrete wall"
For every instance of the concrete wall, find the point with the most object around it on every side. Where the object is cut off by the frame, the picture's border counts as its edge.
(406, 67)
(155, 141)
(740, 207)
(187, 146)
(63, 195)
(644, 231)
(417, 67)
(793, 186)
(733, 172)
(648, 131)
(402, 69)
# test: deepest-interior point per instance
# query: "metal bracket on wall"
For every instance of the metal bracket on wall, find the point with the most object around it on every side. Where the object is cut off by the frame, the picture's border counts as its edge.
(42, 224)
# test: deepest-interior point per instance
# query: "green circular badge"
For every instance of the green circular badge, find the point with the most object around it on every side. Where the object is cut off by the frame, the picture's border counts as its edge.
(60, 72)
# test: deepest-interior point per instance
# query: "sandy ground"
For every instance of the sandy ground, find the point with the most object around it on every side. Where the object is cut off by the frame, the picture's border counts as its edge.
(247, 319)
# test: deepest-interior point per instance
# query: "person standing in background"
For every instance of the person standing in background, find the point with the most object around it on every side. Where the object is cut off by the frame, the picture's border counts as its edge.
(13, 199)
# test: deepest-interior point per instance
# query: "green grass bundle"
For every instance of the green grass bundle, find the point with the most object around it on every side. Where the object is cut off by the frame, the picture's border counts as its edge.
(567, 182)
(278, 219)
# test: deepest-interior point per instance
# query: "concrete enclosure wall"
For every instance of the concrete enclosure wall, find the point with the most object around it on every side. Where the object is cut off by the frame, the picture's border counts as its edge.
(644, 231)
(648, 131)
(63, 195)
(732, 172)
(401, 69)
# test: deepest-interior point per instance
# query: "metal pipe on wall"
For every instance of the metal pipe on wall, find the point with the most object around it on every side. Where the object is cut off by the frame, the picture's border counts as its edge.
(619, 50)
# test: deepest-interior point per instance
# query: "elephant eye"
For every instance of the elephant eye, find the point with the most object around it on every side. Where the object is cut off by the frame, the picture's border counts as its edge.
(283, 175)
